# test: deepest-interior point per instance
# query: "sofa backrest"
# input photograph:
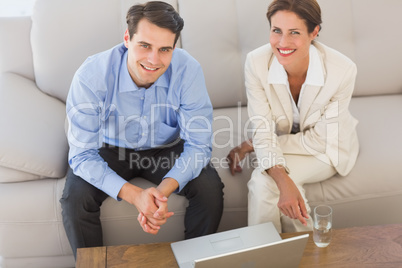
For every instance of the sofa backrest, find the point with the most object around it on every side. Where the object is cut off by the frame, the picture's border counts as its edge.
(369, 33)
(15, 52)
(219, 34)
(65, 32)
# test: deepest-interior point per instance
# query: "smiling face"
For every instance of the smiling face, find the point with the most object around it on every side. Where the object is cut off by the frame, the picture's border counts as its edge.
(290, 40)
(150, 51)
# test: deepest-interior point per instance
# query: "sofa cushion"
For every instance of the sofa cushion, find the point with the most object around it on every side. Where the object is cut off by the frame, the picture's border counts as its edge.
(13, 175)
(15, 46)
(33, 226)
(375, 178)
(230, 127)
(32, 136)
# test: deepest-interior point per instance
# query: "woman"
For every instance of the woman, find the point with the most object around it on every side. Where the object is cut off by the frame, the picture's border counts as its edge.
(298, 93)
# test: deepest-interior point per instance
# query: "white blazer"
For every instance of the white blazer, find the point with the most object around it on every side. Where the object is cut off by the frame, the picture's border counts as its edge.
(327, 129)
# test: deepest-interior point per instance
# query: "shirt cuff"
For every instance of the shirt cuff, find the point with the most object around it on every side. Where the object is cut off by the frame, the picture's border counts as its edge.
(264, 171)
(182, 176)
(112, 185)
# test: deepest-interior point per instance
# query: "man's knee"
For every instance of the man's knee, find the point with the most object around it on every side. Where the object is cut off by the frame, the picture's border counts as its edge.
(79, 196)
(210, 181)
(207, 187)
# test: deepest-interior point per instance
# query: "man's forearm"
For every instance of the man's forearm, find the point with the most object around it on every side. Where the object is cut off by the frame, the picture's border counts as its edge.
(128, 192)
(168, 186)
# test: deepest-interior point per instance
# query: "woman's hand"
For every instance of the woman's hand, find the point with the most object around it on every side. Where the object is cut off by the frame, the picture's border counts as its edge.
(237, 154)
(291, 202)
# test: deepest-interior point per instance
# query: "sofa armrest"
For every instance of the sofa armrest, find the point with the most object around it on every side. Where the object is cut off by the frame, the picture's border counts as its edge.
(15, 46)
(32, 136)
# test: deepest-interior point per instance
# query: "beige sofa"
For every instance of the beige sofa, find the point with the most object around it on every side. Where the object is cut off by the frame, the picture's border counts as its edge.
(39, 54)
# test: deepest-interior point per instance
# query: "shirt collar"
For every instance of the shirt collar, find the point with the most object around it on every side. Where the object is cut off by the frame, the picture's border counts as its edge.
(277, 74)
(315, 73)
(126, 83)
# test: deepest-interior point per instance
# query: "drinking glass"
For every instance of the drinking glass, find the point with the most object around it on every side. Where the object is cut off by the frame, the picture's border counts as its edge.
(322, 232)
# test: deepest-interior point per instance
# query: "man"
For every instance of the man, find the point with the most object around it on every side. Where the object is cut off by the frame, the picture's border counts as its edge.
(140, 109)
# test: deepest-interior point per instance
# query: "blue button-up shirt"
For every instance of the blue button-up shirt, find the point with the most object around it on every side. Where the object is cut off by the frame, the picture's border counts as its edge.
(104, 105)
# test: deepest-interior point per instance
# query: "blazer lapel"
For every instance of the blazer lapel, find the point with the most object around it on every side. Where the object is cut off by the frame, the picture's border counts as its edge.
(284, 98)
(282, 93)
(310, 93)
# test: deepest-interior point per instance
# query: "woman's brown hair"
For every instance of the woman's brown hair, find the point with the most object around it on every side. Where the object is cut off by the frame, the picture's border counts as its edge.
(307, 10)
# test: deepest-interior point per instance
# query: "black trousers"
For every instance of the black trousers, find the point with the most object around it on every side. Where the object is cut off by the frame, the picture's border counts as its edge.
(81, 201)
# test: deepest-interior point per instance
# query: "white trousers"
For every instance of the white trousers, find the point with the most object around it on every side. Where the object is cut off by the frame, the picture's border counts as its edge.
(263, 195)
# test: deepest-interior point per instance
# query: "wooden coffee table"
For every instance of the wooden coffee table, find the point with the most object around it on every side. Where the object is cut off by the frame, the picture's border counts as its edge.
(371, 246)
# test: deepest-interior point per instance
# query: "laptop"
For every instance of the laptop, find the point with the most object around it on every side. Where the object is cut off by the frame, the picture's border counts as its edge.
(252, 246)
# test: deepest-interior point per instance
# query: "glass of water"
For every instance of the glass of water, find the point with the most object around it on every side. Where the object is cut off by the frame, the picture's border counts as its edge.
(322, 232)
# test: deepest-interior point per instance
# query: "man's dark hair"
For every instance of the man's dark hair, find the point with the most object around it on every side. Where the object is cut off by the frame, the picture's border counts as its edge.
(159, 13)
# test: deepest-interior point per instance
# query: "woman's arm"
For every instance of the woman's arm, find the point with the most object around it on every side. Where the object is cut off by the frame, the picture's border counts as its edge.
(237, 154)
(267, 147)
(291, 202)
